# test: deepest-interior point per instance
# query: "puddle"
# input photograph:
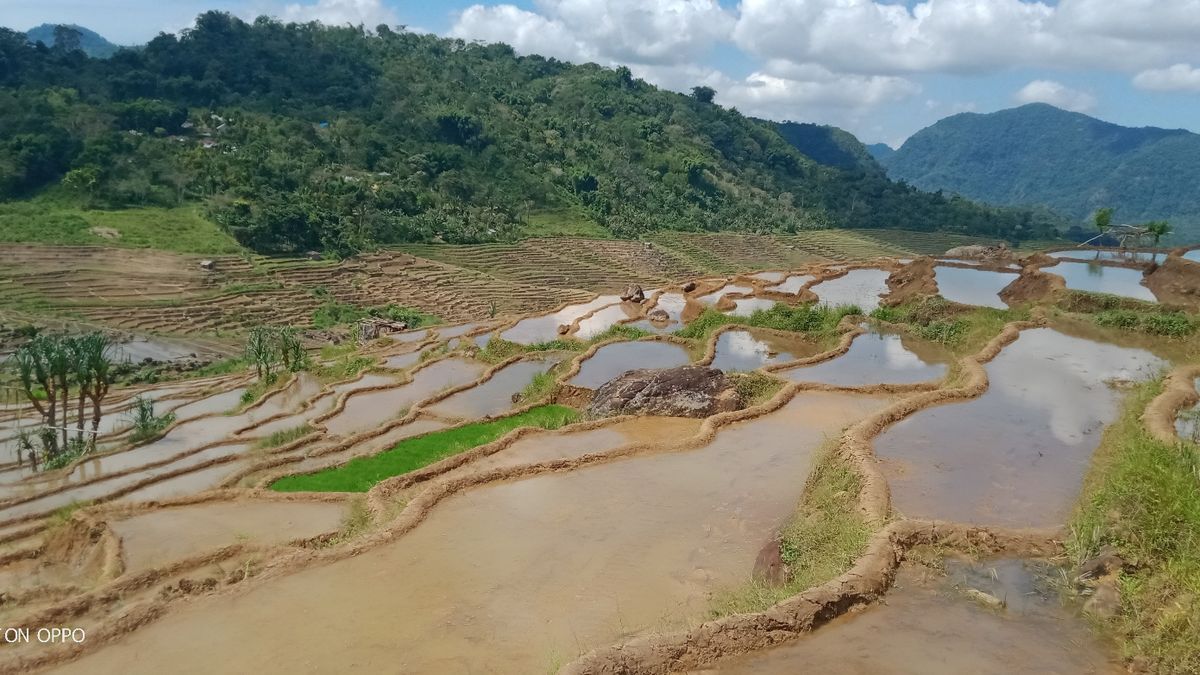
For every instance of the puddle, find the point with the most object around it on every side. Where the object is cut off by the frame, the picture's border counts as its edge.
(412, 336)
(792, 284)
(773, 277)
(187, 484)
(877, 358)
(368, 410)
(857, 287)
(926, 625)
(605, 319)
(612, 360)
(518, 577)
(1187, 423)
(494, 396)
(322, 405)
(972, 287)
(141, 348)
(1015, 456)
(545, 328)
(1193, 254)
(715, 297)
(741, 350)
(164, 536)
(671, 303)
(748, 306)
(402, 361)
(1100, 279)
(482, 340)
(1124, 256)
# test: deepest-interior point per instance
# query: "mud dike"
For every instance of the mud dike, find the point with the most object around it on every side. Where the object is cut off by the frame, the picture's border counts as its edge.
(524, 553)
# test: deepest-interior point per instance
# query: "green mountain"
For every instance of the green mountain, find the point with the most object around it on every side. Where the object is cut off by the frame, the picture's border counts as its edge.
(881, 151)
(1074, 164)
(91, 42)
(297, 137)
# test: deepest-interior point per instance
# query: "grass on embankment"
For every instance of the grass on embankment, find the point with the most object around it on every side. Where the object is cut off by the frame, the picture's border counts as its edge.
(813, 320)
(1143, 497)
(361, 474)
(181, 229)
(1111, 311)
(961, 329)
(822, 539)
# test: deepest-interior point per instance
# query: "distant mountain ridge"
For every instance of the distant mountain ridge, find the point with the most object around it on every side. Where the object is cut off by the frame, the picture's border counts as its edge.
(1037, 154)
(92, 43)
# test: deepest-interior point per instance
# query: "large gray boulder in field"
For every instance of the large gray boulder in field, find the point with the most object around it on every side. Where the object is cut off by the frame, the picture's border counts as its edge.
(686, 391)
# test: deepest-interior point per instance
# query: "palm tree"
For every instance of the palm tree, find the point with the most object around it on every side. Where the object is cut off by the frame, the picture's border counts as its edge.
(1158, 229)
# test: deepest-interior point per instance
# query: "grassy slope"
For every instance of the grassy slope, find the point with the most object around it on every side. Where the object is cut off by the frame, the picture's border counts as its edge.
(182, 229)
(1143, 497)
(361, 474)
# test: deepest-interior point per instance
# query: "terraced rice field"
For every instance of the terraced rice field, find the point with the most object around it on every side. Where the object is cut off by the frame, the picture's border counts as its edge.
(491, 524)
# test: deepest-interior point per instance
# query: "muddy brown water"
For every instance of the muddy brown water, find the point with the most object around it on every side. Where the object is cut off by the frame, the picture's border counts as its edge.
(792, 284)
(612, 360)
(877, 357)
(545, 328)
(972, 287)
(857, 287)
(496, 395)
(1122, 281)
(166, 535)
(367, 410)
(572, 444)
(1015, 456)
(927, 625)
(742, 350)
(517, 577)
(106, 487)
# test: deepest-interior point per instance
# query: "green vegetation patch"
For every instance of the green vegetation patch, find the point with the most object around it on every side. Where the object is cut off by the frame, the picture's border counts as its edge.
(361, 474)
(1143, 497)
(180, 229)
(1112, 311)
(821, 541)
(960, 328)
(816, 320)
(333, 313)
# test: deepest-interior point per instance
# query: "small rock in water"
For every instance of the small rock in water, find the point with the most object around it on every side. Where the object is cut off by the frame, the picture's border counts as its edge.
(985, 599)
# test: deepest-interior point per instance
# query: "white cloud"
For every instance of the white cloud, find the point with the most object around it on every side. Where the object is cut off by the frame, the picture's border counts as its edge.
(964, 36)
(1179, 77)
(369, 13)
(619, 31)
(1056, 94)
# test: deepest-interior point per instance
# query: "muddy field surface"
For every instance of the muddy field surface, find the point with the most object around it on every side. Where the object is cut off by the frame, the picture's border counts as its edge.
(580, 545)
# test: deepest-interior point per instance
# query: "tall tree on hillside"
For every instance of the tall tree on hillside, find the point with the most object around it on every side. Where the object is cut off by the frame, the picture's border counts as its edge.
(704, 94)
(1158, 229)
(1103, 219)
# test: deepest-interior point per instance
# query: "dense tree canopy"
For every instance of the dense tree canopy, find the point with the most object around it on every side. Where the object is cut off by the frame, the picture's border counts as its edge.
(299, 136)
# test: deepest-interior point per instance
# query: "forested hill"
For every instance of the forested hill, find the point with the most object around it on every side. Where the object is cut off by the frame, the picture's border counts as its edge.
(1072, 163)
(78, 37)
(298, 137)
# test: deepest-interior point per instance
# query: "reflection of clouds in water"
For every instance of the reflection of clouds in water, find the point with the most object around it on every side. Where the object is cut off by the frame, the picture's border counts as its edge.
(744, 345)
(1066, 377)
(857, 287)
(748, 306)
(895, 355)
(672, 304)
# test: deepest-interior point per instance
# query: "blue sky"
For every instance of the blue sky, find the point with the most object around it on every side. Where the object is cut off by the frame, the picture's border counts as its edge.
(880, 68)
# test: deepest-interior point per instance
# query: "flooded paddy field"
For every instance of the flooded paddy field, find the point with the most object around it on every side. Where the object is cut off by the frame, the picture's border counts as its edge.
(575, 544)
